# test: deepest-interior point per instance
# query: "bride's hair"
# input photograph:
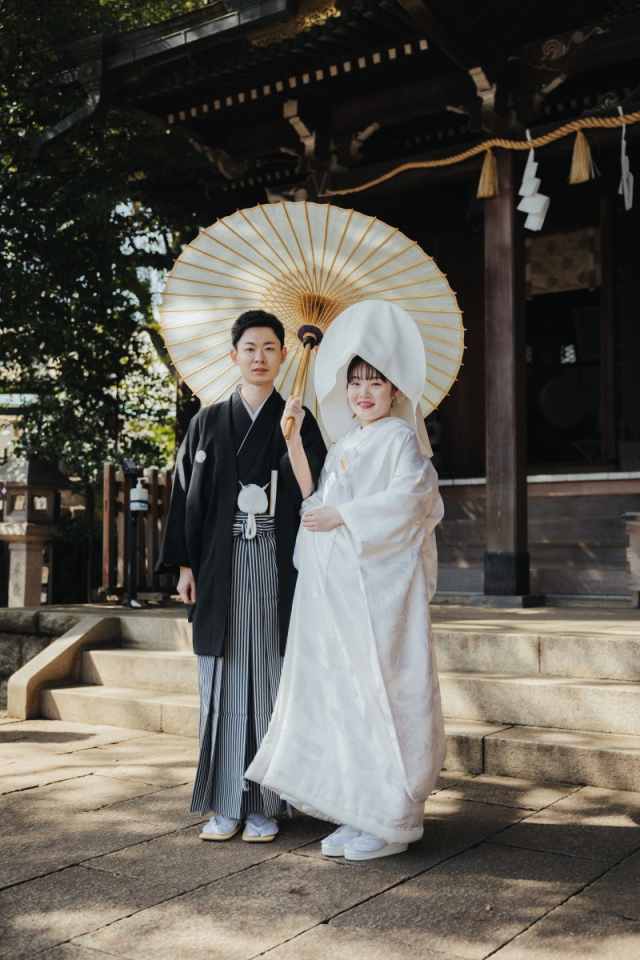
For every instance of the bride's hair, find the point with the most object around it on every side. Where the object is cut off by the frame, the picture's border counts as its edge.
(359, 368)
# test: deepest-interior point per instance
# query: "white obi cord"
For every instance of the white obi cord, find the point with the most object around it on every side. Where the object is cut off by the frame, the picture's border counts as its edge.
(252, 499)
(338, 487)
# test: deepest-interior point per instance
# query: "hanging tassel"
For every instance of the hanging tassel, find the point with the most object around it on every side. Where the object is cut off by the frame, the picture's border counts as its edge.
(581, 163)
(489, 186)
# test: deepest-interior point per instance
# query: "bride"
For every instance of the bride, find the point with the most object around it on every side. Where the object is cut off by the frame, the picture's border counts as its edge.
(357, 735)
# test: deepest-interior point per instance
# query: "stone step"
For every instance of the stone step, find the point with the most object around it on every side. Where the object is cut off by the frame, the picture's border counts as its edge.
(482, 693)
(592, 601)
(170, 632)
(473, 746)
(178, 714)
(567, 703)
(477, 652)
(570, 756)
(154, 710)
(163, 670)
(587, 657)
(594, 656)
(598, 656)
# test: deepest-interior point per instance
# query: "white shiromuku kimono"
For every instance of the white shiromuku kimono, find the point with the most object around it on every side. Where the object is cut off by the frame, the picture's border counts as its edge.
(357, 734)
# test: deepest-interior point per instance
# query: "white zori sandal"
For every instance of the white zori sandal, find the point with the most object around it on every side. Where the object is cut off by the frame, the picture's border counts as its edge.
(333, 845)
(220, 828)
(259, 829)
(364, 846)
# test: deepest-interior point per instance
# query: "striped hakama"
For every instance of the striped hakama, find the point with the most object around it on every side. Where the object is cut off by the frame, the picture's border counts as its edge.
(238, 691)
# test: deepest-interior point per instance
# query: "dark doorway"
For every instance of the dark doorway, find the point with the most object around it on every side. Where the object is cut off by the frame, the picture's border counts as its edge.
(563, 378)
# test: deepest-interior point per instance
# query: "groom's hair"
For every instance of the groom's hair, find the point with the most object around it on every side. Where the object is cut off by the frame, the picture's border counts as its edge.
(256, 318)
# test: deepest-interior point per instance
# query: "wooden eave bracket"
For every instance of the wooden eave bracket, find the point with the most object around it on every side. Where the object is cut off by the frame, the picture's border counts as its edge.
(168, 40)
(476, 56)
(307, 137)
(89, 74)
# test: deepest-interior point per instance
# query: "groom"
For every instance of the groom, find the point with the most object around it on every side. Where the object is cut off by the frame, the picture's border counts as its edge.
(236, 569)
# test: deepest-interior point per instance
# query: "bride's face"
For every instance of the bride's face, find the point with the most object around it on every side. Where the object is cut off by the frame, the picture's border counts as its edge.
(370, 400)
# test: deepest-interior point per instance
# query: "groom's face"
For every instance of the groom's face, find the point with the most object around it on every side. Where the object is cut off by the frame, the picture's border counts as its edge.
(259, 356)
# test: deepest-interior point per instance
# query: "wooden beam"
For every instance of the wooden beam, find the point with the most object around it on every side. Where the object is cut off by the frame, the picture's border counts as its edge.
(506, 568)
(594, 46)
(450, 31)
(410, 101)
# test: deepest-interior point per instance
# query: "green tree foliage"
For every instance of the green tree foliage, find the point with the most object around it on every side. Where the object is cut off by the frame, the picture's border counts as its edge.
(84, 230)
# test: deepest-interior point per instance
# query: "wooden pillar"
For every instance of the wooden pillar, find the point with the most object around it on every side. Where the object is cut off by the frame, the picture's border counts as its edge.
(506, 560)
(607, 334)
(627, 251)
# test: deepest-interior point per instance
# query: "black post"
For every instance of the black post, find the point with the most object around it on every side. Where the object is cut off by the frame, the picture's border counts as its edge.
(132, 570)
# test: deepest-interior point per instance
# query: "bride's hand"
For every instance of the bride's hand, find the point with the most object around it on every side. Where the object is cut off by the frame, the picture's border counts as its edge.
(321, 519)
(293, 411)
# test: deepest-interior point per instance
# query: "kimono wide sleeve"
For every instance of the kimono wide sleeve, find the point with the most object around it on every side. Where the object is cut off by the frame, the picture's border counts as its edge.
(174, 553)
(316, 498)
(410, 507)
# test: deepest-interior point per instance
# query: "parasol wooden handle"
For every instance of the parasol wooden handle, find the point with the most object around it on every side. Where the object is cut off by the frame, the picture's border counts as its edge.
(296, 390)
(310, 336)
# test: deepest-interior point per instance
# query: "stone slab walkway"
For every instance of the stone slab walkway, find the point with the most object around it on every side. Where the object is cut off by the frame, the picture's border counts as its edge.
(100, 859)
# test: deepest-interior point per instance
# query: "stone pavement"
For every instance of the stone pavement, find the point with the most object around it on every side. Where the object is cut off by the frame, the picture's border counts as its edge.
(100, 859)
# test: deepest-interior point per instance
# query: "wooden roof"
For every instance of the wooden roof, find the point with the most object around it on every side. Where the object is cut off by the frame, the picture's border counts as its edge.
(429, 69)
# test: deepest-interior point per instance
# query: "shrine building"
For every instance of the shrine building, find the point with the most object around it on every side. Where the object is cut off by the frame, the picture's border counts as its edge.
(538, 443)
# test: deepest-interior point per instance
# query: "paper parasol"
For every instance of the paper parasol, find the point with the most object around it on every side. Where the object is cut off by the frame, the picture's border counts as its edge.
(306, 263)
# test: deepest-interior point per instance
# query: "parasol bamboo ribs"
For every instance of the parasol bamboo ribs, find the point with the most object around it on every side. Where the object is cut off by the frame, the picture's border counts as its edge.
(305, 263)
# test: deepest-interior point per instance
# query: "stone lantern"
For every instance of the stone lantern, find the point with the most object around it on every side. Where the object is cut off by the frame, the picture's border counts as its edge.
(30, 501)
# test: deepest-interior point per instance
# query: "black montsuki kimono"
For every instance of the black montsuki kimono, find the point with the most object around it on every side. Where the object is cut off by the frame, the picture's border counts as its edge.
(198, 531)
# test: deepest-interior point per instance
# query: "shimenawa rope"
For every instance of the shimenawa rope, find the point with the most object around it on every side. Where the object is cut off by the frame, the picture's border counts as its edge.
(582, 168)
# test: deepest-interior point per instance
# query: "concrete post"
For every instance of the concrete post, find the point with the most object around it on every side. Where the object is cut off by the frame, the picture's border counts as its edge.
(25, 573)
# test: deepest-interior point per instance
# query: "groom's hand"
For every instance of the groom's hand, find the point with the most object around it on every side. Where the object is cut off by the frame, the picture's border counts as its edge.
(187, 585)
(321, 519)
